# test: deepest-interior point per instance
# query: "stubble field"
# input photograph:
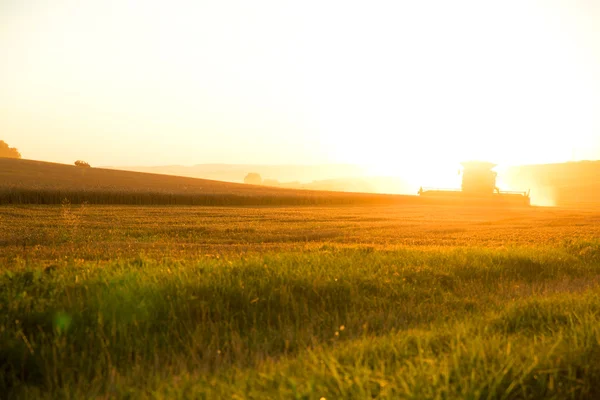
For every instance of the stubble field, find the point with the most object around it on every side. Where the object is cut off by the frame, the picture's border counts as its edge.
(307, 302)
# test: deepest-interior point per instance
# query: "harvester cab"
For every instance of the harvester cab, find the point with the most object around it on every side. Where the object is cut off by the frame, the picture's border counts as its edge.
(478, 178)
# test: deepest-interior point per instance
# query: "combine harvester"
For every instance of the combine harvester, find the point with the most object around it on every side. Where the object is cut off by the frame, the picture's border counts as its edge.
(479, 187)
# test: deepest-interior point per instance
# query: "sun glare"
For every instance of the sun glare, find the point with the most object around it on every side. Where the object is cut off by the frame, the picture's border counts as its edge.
(401, 88)
(462, 88)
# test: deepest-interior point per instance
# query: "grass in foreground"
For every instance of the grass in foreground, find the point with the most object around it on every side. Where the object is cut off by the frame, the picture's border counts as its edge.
(331, 317)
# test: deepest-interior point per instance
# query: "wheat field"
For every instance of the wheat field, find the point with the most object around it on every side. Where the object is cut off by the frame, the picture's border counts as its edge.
(299, 302)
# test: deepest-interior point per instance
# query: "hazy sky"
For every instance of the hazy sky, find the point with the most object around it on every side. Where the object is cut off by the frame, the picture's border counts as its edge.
(381, 83)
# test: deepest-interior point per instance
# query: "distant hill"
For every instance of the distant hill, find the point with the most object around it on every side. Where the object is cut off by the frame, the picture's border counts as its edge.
(237, 172)
(36, 182)
(330, 177)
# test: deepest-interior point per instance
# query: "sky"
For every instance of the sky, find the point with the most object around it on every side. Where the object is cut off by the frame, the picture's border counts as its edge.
(395, 86)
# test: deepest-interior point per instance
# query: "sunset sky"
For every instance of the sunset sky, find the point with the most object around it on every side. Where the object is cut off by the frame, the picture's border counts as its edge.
(384, 84)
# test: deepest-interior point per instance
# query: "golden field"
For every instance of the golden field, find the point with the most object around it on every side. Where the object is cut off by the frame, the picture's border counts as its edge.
(402, 301)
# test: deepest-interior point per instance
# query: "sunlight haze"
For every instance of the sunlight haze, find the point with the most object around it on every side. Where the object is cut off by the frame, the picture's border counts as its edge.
(390, 86)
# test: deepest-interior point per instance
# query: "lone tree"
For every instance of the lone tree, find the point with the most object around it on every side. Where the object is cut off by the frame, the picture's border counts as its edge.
(253, 179)
(8, 152)
(82, 164)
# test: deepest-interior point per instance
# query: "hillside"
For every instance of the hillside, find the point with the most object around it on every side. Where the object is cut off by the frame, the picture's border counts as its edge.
(236, 172)
(329, 177)
(36, 182)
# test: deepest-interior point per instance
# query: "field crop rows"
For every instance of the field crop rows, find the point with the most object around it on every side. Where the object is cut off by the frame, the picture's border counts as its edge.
(103, 196)
(308, 302)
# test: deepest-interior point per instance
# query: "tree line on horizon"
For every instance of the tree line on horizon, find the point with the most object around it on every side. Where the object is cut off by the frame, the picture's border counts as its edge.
(8, 152)
(11, 152)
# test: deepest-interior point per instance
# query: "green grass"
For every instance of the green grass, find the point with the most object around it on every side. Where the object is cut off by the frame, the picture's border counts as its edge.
(253, 303)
